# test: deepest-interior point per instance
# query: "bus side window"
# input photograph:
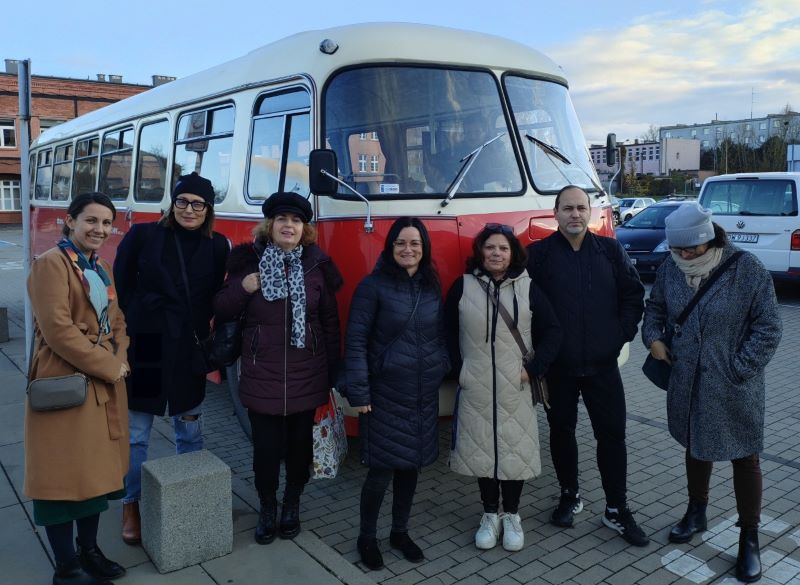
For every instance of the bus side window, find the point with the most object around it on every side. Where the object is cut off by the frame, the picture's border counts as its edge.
(151, 162)
(44, 174)
(278, 163)
(62, 172)
(204, 144)
(116, 160)
(84, 174)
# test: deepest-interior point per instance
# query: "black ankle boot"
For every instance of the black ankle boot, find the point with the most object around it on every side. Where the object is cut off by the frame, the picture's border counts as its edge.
(402, 542)
(71, 573)
(290, 520)
(748, 563)
(693, 521)
(94, 562)
(370, 553)
(267, 527)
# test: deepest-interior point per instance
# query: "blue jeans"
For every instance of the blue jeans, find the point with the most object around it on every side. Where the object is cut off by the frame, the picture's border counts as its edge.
(188, 438)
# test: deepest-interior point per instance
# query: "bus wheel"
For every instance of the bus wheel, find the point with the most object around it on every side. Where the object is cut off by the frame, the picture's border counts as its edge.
(232, 373)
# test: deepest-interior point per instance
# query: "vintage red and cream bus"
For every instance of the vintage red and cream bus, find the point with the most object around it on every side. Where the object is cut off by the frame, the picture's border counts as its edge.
(458, 128)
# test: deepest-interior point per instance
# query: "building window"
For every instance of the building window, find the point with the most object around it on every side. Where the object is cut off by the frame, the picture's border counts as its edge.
(667, 134)
(47, 124)
(362, 163)
(748, 126)
(362, 136)
(705, 143)
(694, 133)
(373, 163)
(762, 126)
(8, 134)
(706, 131)
(776, 123)
(9, 196)
(762, 139)
(374, 136)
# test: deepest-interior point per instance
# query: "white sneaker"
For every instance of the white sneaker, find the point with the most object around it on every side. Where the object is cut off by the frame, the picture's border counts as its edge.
(488, 532)
(513, 535)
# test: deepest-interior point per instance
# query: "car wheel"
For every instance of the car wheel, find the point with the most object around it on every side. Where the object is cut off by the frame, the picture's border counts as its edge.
(627, 217)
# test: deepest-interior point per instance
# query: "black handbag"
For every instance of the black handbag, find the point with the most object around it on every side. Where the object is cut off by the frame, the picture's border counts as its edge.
(224, 345)
(659, 371)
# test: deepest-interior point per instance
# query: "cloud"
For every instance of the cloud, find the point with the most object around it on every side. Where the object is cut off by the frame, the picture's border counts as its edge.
(664, 70)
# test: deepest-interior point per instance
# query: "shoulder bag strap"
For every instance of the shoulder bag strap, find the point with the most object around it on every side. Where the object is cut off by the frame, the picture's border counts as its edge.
(403, 328)
(704, 289)
(508, 321)
(185, 284)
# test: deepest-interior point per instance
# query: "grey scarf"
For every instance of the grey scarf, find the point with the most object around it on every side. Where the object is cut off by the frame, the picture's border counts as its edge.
(281, 275)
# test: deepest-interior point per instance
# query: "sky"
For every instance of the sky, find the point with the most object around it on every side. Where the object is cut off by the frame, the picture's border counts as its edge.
(630, 64)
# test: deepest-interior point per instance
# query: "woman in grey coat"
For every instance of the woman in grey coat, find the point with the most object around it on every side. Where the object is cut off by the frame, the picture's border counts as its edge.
(715, 400)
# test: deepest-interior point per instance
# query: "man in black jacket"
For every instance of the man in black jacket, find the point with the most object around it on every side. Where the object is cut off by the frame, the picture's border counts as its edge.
(598, 298)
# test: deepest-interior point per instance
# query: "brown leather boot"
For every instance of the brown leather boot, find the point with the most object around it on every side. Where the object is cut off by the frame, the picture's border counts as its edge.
(131, 523)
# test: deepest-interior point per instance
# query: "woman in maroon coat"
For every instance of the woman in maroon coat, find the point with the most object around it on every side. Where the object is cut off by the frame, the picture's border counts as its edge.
(283, 285)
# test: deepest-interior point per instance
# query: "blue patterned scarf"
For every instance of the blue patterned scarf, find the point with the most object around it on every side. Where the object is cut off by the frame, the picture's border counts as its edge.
(95, 281)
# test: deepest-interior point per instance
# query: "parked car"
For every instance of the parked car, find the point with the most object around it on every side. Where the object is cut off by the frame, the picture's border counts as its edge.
(760, 213)
(643, 237)
(614, 208)
(630, 206)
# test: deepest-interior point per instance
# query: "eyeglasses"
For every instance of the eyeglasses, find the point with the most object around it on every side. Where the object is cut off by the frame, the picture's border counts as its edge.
(197, 206)
(413, 244)
(689, 249)
(500, 228)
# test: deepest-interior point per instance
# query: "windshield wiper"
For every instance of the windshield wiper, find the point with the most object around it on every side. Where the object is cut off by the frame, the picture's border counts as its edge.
(554, 152)
(549, 149)
(466, 165)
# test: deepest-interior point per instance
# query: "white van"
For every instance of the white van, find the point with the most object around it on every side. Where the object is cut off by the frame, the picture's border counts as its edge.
(760, 213)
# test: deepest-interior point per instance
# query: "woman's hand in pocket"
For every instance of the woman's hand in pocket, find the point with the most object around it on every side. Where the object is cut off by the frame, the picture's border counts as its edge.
(524, 378)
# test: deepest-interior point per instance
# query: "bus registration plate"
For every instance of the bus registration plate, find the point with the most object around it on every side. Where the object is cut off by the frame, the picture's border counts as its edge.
(743, 238)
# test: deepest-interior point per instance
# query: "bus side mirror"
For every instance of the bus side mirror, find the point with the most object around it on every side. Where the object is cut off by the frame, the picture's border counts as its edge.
(611, 149)
(321, 161)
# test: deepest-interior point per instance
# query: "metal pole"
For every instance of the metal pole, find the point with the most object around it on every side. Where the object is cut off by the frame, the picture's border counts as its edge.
(24, 85)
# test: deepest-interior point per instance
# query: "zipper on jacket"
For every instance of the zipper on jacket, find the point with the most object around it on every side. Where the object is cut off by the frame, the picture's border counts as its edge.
(419, 377)
(494, 309)
(285, 353)
(254, 343)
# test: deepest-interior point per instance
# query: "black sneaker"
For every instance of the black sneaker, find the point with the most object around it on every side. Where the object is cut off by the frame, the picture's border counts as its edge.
(622, 521)
(569, 505)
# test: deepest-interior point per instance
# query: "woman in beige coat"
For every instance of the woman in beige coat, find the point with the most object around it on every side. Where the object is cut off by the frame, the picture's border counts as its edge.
(76, 458)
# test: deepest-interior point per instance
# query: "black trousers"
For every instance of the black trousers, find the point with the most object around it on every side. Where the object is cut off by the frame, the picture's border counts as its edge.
(604, 398)
(490, 494)
(276, 437)
(372, 493)
(747, 485)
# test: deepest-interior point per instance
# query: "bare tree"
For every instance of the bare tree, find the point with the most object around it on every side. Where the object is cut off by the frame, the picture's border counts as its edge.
(651, 134)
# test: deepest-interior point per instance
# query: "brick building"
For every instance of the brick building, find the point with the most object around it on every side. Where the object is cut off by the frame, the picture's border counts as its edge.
(53, 100)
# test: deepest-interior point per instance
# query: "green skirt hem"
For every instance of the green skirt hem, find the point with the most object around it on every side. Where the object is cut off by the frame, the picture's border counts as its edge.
(51, 512)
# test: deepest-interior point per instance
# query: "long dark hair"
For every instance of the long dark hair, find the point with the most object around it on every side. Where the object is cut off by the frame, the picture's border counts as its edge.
(426, 267)
(720, 237)
(80, 203)
(519, 257)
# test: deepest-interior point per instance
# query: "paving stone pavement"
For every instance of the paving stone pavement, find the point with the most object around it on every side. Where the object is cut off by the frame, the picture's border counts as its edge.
(447, 506)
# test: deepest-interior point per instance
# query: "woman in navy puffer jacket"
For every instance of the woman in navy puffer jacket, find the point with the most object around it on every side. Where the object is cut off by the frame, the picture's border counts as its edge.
(395, 360)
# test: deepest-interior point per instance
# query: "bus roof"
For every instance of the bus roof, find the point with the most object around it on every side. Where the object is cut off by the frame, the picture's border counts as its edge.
(300, 54)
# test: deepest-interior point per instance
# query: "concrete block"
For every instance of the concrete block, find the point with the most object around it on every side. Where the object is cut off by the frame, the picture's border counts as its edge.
(186, 510)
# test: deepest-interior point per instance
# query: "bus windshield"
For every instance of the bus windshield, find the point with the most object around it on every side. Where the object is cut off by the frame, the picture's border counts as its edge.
(549, 129)
(405, 131)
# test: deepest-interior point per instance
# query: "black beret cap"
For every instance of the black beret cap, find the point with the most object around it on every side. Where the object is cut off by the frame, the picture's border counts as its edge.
(194, 184)
(287, 203)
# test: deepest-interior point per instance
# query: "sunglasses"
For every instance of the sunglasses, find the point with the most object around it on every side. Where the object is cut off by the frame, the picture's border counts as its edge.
(500, 228)
(690, 249)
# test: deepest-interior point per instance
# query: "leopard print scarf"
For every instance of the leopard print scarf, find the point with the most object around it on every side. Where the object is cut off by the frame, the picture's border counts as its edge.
(281, 275)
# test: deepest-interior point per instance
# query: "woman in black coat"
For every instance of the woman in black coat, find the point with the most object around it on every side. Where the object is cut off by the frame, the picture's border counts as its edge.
(163, 319)
(395, 360)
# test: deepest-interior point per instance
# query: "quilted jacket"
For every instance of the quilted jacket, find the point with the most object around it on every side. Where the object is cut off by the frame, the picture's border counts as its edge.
(395, 359)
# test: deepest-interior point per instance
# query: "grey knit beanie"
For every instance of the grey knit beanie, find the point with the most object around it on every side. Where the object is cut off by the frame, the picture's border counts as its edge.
(689, 225)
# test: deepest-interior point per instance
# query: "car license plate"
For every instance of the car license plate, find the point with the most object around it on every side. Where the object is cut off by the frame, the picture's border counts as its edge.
(633, 261)
(743, 238)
